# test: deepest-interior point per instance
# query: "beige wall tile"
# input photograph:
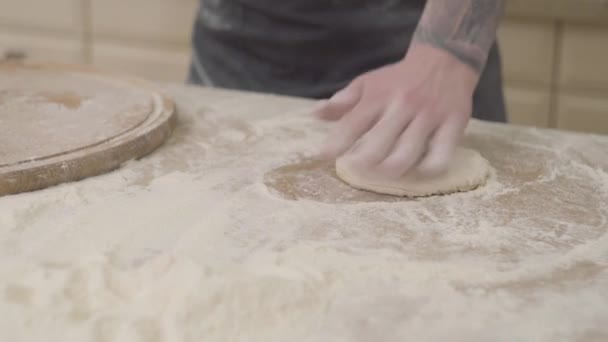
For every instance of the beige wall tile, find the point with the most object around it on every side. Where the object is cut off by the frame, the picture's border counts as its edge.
(59, 15)
(528, 106)
(527, 49)
(583, 113)
(584, 58)
(150, 62)
(155, 20)
(567, 10)
(42, 48)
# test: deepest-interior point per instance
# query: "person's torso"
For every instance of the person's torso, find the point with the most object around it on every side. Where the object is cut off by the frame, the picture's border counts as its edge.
(311, 48)
(305, 42)
(288, 16)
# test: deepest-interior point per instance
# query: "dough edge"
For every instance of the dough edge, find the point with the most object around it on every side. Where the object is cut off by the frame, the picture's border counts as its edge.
(443, 185)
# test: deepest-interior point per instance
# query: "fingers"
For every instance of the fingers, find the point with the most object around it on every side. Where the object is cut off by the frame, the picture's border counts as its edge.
(349, 129)
(341, 103)
(409, 149)
(378, 142)
(442, 146)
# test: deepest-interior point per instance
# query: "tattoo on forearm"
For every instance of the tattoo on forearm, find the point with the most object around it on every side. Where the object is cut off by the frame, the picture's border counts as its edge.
(464, 28)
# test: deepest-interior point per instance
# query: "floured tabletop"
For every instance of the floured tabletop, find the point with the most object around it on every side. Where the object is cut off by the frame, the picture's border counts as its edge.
(232, 232)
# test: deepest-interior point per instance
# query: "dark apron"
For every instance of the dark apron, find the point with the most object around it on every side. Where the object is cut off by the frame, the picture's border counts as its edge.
(312, 48)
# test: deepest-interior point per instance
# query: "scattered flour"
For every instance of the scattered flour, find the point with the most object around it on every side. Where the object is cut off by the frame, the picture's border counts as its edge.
(193, 244)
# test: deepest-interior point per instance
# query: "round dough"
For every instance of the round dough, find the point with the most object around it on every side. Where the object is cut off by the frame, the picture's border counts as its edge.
(467, 171)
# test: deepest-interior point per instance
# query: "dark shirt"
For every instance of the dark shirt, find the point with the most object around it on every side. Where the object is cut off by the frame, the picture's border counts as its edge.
(310, 48)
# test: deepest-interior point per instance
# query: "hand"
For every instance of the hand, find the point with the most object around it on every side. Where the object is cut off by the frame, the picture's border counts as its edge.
(402, 116)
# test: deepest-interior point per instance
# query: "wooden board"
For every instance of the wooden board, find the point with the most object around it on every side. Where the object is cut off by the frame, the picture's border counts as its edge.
(65, 123)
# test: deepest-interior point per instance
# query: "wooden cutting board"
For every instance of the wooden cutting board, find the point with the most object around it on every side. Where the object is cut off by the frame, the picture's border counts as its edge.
(64, 123)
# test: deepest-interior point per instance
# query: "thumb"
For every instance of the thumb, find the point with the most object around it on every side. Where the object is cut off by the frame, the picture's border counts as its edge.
(340, 103)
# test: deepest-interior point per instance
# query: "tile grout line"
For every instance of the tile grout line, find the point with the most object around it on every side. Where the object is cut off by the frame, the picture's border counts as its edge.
(86, 33)
(555, 74)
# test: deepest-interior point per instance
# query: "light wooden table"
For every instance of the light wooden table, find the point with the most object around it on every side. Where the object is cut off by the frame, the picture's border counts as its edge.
(231, 229)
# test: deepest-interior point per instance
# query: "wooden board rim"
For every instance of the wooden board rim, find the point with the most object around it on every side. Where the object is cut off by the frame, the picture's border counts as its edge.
(100, 158)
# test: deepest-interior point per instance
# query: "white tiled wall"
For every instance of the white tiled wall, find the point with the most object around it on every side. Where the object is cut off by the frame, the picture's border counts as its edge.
(556, 72)
(584, 58)
(528, 105)
(168, 21)
(583, 113)
(41, 47)
(161, 64)
(528, 51)
(47, 15)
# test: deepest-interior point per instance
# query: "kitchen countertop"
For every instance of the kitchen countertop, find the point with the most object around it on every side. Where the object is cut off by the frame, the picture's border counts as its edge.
(231, 232)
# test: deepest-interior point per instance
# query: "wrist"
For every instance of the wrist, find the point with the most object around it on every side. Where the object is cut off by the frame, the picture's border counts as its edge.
(433, 59)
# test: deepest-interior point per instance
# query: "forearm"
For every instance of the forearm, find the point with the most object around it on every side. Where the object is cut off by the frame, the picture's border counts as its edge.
(466, 29)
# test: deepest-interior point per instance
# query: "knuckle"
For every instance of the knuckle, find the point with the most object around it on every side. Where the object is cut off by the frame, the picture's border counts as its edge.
(416, 99)
(397, 107)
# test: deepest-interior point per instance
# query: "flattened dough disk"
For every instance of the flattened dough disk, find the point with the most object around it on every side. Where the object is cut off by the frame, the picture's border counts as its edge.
(467, 171)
